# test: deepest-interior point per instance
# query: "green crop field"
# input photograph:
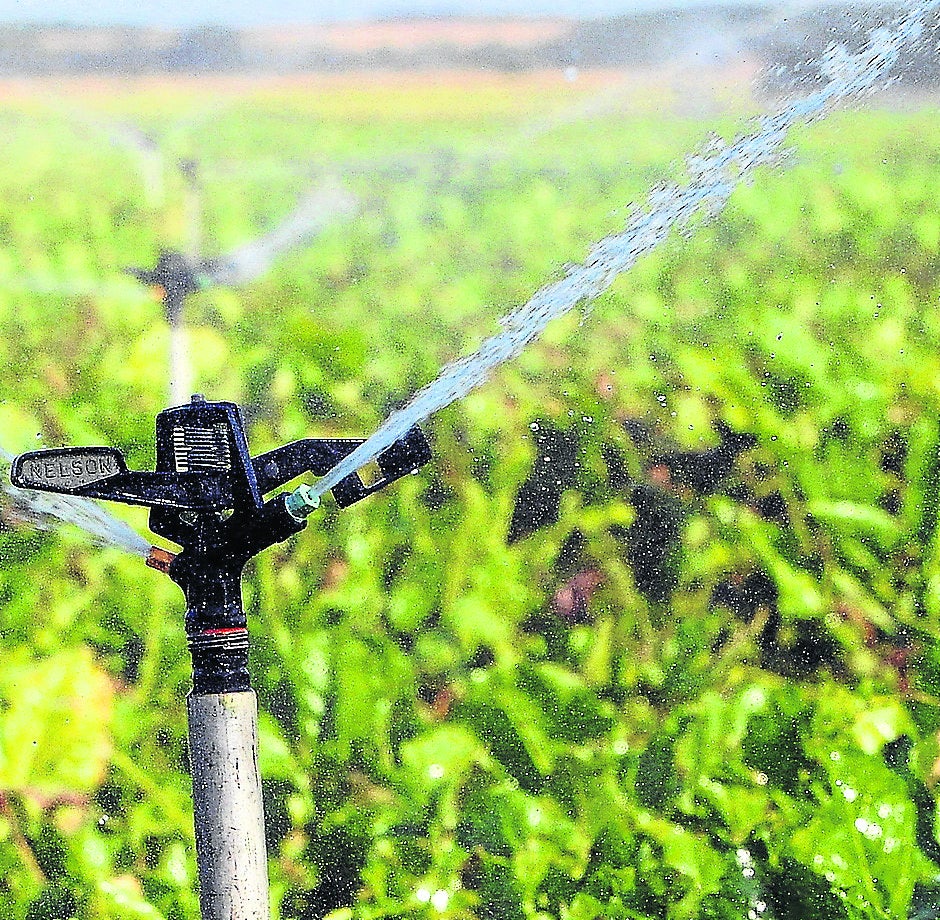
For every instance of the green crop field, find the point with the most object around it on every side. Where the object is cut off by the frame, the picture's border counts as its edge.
(656, 634)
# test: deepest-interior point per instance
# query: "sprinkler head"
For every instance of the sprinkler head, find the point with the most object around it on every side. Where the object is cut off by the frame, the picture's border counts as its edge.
(207, 494)
(176, 277)
(204, 467)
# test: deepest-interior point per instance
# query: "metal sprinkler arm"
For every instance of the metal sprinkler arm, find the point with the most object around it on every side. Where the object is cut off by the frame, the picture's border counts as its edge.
(279, 466)
(222, 477)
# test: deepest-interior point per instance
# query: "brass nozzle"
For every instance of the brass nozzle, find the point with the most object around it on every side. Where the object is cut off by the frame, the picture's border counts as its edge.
(302, 502)
(160, 559)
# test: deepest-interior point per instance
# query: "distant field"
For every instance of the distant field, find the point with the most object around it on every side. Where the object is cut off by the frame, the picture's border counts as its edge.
(408, 34)
(655, 634)
(528, 91)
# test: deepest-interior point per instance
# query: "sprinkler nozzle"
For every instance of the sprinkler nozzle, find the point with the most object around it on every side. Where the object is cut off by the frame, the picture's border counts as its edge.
(302, 502)
(160, 559)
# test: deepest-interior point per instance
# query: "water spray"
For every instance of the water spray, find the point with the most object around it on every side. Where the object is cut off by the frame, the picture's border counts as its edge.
(207, 496)
(715, 173)
(48, 512)
(177, 276)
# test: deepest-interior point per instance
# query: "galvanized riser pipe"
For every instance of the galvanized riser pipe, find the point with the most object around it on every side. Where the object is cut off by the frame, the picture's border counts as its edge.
(227, 806)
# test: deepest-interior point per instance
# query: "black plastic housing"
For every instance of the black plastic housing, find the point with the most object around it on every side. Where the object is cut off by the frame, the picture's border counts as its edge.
(207, 496)
(209, 571)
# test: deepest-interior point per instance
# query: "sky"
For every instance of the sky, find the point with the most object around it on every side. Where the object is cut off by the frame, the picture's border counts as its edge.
(239, 13)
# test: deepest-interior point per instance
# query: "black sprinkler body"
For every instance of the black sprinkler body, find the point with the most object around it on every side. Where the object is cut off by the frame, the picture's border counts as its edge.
(176, 276)
(207, 496)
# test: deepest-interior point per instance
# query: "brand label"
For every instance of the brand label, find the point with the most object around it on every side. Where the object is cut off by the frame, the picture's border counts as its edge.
(66, 469)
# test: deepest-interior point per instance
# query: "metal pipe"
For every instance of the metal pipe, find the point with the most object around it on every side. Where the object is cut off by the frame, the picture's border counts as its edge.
(227, 806)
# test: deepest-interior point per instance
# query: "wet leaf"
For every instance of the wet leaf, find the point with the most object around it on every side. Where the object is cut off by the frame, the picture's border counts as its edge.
(55, 724)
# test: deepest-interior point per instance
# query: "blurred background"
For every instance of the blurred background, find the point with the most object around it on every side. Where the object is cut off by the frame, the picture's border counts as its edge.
(655, 634)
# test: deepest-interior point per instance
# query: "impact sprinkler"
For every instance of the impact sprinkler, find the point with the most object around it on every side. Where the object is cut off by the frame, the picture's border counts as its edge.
(207, 496)
(175, 277)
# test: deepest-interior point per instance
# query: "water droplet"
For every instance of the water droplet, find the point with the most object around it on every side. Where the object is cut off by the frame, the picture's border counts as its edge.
(754, 698)
(436, 771)
(423, 895)
(868, 828)
(440, 900)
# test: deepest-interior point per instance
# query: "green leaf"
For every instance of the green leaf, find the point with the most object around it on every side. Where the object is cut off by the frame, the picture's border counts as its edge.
(441, 756)
(55, 726)
(369, 677)
(852, 517)
(571, 710)
(861, 837)
(842, 716)
(701, 869)
(123, 898)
